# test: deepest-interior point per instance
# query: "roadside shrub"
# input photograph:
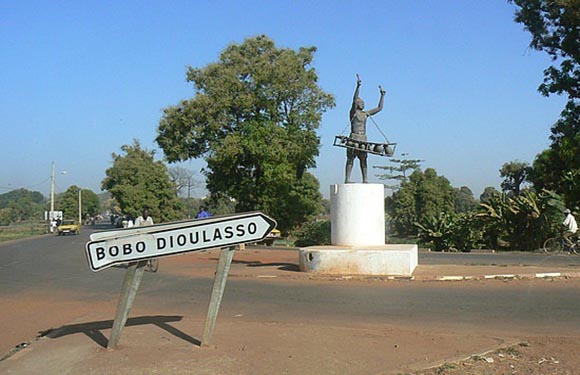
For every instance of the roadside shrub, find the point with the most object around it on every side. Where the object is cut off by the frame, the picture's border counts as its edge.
(437, 231)
(460, 232)
(467, 232)
(521, 222)
(313, 233)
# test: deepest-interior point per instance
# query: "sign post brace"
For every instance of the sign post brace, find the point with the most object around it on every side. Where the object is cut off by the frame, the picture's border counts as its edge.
(219, 285)
(131, 284)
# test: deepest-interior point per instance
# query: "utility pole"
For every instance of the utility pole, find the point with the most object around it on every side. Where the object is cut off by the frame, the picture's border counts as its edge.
(80, 205)
(189, 197)
(51, 213)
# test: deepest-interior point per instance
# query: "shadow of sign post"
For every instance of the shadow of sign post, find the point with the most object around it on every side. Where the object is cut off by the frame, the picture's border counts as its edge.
(138, 244)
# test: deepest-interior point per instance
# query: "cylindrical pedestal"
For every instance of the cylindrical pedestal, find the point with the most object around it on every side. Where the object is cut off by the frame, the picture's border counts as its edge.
(357, 214)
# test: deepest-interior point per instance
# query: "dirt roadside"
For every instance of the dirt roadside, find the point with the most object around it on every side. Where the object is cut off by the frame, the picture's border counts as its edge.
(158, 344)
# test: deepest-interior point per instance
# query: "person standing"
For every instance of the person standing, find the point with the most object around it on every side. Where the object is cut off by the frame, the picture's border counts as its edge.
(203, 213)
(144, 219)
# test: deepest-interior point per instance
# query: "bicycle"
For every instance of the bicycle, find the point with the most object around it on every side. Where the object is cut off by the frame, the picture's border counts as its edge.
(557, 244)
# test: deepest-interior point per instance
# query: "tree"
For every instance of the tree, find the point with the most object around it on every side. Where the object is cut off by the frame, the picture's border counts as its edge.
(137, 181)
(20, 205)
(555, 29)
(487, 194)
(558, 168)
(521, 222)
(398, 170)
(183, 180)
(514, 173)
(253, 119)
(464, 200)
(424, 195)
(68, 202)
(15, 195)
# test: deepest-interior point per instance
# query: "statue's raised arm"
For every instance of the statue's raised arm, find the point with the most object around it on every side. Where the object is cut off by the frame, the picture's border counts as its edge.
(380, 106)
(355, 97)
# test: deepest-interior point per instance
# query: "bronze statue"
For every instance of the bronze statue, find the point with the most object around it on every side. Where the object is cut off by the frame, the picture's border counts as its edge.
(358, 124)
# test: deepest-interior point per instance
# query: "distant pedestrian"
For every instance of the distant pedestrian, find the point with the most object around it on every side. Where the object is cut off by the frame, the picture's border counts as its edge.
(52, 225)
(202, 213)
(144, 219)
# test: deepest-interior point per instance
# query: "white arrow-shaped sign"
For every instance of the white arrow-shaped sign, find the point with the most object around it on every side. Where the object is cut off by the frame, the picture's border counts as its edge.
(120, 246)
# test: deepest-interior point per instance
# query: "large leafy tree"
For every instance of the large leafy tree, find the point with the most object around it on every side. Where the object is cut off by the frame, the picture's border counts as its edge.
(253, 119)
(68, 202)
(464, 200)
(555, 29)
(15, 195)
(488, 193)
(514, 173)
(20, 205)
(137, 181)
(425, 195)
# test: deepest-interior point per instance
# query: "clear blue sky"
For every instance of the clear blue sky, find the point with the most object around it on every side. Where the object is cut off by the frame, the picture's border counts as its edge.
(78, 79)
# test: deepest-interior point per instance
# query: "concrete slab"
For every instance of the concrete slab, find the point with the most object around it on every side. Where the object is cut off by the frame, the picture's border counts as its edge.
(385, 260)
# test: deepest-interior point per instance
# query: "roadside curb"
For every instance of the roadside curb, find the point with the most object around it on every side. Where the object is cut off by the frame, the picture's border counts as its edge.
(369, 278)
(542, 275)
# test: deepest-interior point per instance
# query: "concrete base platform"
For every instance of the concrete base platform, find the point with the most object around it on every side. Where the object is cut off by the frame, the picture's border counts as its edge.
(388, 260)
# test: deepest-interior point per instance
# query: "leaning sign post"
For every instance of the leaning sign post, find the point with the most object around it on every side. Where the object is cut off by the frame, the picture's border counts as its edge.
(138, 244)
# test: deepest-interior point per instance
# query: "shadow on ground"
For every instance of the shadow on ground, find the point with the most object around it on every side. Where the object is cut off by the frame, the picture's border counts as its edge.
(93, 329)
(281, 266)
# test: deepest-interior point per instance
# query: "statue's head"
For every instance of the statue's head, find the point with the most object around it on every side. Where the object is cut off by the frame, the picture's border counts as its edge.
(360, 104)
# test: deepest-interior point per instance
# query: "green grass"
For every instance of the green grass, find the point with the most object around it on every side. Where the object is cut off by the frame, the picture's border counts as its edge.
(14, 232)
(446, 366)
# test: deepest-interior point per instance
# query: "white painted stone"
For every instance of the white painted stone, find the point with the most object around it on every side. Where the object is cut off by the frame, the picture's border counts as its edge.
(357, 214)
(390, 260)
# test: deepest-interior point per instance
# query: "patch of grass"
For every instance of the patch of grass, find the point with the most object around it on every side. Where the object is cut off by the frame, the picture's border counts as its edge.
(14, 232)
(512, 351)
(444, 367)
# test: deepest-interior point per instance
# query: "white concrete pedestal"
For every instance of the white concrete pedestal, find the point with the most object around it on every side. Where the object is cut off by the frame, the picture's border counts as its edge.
(390, 260)
(358, 237)
(357, 214)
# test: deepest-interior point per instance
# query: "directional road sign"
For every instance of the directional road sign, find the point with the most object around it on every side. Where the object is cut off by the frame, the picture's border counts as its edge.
(126, 245)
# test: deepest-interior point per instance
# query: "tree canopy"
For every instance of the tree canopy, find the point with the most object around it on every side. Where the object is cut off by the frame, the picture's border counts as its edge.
(425, 195)
(68, 202)
(20, 205)
(555, 29)
(137, 181)
(398, 170)
(488, 193)
(514, 173)
(253, 119)
(464, 200)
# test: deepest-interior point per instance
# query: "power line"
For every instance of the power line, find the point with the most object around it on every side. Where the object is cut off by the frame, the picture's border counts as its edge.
(29, 187)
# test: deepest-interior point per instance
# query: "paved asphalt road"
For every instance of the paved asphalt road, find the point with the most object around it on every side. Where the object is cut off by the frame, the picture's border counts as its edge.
(500, 259)
(52, 263)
